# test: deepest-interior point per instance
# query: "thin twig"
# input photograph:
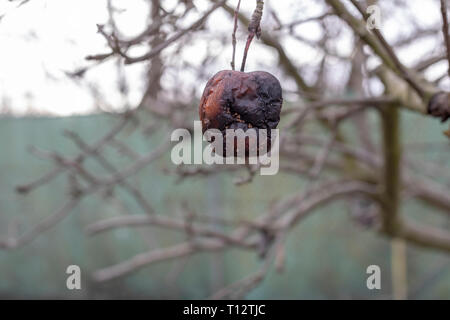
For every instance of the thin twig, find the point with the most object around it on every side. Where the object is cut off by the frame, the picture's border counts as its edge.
(103, 161)
(197, 24)
(26, 188)
(445, 30)
(233, 36)
(403, 71)
(322, 156)
(254, 28)
(13, 242)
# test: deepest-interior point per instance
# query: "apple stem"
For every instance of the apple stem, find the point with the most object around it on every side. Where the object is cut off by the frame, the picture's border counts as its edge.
(254, 28)
(233, 35)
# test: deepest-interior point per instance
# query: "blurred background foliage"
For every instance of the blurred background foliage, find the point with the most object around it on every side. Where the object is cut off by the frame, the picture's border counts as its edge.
(327, 253)
(316, 56)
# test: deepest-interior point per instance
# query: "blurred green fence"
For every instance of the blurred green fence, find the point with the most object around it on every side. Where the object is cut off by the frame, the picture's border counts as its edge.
(327, 253)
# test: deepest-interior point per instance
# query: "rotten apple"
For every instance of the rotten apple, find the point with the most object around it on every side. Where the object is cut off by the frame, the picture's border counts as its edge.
(239, 100)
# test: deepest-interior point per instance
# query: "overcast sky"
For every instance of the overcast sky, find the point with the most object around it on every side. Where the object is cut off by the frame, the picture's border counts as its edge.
(44, 39)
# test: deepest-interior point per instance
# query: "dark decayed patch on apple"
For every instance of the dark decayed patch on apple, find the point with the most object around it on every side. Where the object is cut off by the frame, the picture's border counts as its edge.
(239, 100)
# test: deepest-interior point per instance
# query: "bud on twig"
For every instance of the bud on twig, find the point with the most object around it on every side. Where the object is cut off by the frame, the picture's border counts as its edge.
(439, 106)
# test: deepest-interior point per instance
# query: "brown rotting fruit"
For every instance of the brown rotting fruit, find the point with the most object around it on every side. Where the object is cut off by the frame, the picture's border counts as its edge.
(239, 100)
